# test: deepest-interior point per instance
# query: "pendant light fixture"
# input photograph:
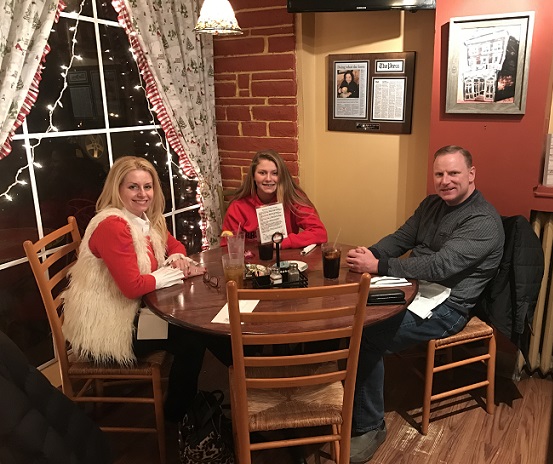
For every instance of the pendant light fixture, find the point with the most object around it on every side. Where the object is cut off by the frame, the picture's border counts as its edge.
(217, 18)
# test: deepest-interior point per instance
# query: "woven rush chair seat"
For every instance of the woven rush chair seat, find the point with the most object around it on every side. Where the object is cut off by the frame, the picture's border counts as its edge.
(473, 331)
(143, 366)
(309, 406)
(50, 259)
(312, 392)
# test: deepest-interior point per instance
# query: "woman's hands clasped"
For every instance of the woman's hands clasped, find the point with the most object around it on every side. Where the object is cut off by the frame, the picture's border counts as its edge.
(188, 266)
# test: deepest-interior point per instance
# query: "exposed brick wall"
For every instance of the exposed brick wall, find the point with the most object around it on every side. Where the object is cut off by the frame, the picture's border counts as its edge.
(255, 88)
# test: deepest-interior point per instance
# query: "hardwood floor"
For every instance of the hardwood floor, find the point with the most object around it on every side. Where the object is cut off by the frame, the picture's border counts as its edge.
(460, 432)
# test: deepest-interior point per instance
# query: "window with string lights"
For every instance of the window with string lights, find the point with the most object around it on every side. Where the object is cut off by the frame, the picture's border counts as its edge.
(91, 110)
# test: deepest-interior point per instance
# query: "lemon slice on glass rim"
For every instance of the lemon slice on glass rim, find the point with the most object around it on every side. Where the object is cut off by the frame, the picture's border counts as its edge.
(226, 233)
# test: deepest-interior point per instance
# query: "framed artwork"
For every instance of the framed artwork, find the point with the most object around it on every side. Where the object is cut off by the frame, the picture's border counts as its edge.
(488, 62)
(371, 92)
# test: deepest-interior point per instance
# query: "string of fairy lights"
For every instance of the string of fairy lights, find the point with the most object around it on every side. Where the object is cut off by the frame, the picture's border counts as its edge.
(18, 180)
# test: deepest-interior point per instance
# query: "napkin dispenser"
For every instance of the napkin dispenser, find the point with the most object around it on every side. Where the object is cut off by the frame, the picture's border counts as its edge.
(386, 296)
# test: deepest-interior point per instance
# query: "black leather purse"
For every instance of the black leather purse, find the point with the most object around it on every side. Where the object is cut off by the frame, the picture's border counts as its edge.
(205, 434)
(386, 296)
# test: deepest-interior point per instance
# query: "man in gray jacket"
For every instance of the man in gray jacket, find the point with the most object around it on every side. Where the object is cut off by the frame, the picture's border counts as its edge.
(455, 238)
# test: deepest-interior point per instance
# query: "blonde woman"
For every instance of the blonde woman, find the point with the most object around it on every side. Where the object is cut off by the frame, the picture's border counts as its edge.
(125, 253)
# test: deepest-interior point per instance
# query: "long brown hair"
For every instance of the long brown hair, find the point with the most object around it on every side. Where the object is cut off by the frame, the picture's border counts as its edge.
(110, 197)
(290, 194)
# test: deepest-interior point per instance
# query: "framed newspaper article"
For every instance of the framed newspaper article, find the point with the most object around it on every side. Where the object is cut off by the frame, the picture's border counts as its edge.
(371, 92)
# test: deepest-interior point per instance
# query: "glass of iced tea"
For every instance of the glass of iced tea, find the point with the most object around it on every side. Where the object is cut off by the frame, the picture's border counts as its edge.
(331, 260)
(233, 267)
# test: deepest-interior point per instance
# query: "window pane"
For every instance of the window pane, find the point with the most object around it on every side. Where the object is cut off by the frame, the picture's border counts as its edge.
(17, 217)
(81, 102)
(127, 104)
(73, 6)
(105, 10)
(70, 179)
(188, 231)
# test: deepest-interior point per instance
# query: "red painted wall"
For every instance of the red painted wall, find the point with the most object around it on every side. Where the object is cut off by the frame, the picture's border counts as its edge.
(507, 149)
(255, 88)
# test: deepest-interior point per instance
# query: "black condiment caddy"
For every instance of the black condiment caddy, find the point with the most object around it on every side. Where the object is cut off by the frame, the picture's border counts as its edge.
(284, 282)
(265, 281)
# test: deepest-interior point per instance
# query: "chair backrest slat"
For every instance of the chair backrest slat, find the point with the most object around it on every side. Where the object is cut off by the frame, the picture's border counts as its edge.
(329, 356)
(296, 337)
(294, 382)
(298, 316)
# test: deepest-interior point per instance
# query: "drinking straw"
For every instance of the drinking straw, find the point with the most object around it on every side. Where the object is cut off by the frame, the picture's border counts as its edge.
(336, 239)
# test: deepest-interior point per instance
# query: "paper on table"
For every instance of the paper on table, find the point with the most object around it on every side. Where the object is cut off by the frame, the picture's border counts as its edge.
(387, 281)
(428, 297)
(246, 306)
(150, 326)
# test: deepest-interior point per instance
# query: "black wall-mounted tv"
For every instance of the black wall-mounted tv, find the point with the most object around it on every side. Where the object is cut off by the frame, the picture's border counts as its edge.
(309, 6)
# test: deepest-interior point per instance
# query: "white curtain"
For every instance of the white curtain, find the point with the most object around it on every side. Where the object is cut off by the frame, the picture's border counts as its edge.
(177, 67)
(24, 29)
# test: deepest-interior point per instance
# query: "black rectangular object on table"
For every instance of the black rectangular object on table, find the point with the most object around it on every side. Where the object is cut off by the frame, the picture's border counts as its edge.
(386, 296)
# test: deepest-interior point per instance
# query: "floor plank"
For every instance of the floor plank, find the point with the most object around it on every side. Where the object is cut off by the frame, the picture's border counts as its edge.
(460, 431)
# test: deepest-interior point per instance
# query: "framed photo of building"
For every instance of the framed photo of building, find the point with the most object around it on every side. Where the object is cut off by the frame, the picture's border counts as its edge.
(371, 92)
(488, 62)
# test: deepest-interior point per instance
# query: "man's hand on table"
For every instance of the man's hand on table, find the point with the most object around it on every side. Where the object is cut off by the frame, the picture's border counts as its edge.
(361, 259)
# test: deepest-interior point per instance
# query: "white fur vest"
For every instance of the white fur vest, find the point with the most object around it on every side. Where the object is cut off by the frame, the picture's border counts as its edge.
(98, 318)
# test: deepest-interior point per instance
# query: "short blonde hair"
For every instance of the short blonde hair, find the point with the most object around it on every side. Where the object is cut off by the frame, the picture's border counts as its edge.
(110, 197)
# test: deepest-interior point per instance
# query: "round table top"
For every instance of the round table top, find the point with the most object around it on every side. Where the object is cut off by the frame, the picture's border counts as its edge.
(193, 304)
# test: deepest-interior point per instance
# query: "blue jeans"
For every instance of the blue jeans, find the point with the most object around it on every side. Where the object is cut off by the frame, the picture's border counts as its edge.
(390, 336)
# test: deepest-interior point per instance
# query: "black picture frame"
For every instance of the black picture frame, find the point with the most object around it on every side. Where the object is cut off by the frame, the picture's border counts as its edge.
(371, 92)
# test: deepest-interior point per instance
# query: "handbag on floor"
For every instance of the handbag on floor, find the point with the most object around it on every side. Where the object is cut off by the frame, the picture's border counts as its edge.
(205, 433)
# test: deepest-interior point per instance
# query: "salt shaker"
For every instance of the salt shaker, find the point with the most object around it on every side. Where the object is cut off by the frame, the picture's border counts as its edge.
(276, 276)
(293, 273)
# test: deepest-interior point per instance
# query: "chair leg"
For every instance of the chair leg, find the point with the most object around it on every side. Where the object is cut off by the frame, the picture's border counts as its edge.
(428, 379)
(490, 395)
(335, 445)
(160, 419)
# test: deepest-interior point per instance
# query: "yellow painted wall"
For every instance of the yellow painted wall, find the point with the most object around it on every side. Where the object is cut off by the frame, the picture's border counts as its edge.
(364, 184)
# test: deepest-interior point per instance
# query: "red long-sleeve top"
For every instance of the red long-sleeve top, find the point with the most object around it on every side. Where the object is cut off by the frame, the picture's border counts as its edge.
(303, 226)
(112, 242)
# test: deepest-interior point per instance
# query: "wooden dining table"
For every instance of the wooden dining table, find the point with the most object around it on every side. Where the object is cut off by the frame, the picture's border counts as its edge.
(194, 303)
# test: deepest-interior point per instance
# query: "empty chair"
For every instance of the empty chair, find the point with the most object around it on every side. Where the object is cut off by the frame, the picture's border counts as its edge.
(310, 389)
(475, 331)
(51, 258)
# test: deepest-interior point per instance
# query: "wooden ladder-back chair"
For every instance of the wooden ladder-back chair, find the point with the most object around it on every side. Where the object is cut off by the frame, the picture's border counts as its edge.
(271, 391)
(475, 331)
(51, 258)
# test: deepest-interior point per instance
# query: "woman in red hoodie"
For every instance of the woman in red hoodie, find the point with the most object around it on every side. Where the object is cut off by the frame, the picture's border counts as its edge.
(269, 181)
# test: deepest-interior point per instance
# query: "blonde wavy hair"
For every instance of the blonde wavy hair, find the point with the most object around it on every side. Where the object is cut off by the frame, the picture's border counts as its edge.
(110, 197)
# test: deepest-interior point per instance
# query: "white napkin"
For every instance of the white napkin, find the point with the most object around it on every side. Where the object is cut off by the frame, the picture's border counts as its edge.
(246, 306)
(428, 297)
(388, 281)
(150, 326)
